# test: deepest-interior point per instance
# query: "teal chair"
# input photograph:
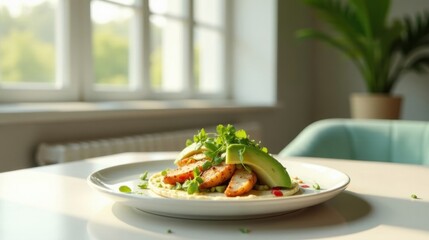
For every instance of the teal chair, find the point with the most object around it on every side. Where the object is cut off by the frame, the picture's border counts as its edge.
(398, 141)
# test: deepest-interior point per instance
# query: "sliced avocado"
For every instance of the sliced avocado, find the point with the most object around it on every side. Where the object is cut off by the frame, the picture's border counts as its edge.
(269, 171)
(188, 151)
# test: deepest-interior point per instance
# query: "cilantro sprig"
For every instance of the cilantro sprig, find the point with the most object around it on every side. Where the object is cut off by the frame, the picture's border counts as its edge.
(215, 144)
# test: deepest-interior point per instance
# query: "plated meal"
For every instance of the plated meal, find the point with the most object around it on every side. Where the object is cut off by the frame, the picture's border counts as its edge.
(226, 164)
(220, 175)
(255, 185)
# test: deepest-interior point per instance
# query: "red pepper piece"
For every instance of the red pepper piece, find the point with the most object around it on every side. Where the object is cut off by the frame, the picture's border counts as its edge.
(277, 192)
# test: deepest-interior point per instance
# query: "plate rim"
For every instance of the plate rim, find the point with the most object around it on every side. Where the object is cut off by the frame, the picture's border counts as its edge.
(107, 190)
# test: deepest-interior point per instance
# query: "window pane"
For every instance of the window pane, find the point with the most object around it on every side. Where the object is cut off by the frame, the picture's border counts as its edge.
(208, 59)
(209, 12)
(111, 36)
(27, 43)
(173, 7)
(167, 65)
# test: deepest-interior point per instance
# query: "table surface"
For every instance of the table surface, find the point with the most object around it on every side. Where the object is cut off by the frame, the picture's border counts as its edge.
(55, 202)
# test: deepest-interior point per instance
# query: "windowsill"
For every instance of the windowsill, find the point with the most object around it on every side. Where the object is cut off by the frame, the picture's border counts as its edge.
(81, 111)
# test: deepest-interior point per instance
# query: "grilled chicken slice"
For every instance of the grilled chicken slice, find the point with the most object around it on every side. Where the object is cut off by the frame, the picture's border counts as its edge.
(183, 173)
(191, 159)
(216, 175)
(241, 182)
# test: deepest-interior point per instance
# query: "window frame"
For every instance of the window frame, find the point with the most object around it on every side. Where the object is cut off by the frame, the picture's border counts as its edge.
(67, 89)
(74, 63)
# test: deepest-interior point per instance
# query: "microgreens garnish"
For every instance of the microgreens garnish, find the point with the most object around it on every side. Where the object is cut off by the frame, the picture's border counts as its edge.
(214, 147)
(244, 230)
(215, 144)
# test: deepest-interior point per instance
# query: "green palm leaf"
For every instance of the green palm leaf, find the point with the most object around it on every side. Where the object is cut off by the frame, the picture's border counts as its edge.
(343, 46)
(340, 16)
(416, 35)
(372, 15)
(355, 34)
(382, 51)
(419, 64)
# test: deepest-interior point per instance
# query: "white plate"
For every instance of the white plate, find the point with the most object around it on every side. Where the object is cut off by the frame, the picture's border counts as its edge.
(108, 181)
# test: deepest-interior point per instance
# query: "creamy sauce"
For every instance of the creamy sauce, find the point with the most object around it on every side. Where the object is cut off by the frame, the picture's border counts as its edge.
(157, 186)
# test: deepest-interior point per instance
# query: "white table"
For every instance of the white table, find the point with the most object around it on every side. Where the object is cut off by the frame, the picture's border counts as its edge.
(55, 202)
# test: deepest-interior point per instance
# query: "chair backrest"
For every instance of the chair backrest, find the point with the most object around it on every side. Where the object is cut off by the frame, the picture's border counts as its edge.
(374, 140)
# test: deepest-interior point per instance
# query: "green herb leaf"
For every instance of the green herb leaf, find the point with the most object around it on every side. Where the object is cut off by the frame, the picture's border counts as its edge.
(316, 186)
(218, 160)
(220, 129)
(143, 177)
(196, 172)
(241, 134)
(244, 230)
(143, 185)
(178, 186)
(199, 180)
(414, 196)
(201, 136)
(185, 185)
(125, 189)
(220, 188)
(192, 188)
(207, 165)
(241, 154)
(210, 154)
(211, 146)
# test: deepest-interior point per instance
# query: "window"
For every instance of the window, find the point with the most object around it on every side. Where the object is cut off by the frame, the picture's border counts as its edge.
(27, 44)
(32, 62)
(74, 50)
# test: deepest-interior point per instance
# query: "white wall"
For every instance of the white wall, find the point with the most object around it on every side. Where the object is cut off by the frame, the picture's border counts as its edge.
(253, 45)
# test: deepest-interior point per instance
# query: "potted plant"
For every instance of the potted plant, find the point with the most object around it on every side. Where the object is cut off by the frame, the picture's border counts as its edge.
(382, 48)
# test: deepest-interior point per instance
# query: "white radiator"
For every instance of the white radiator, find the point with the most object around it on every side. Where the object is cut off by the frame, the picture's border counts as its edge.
(49, 153)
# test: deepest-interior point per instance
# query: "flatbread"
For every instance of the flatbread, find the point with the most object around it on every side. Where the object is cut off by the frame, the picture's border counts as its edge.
(157, 186)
